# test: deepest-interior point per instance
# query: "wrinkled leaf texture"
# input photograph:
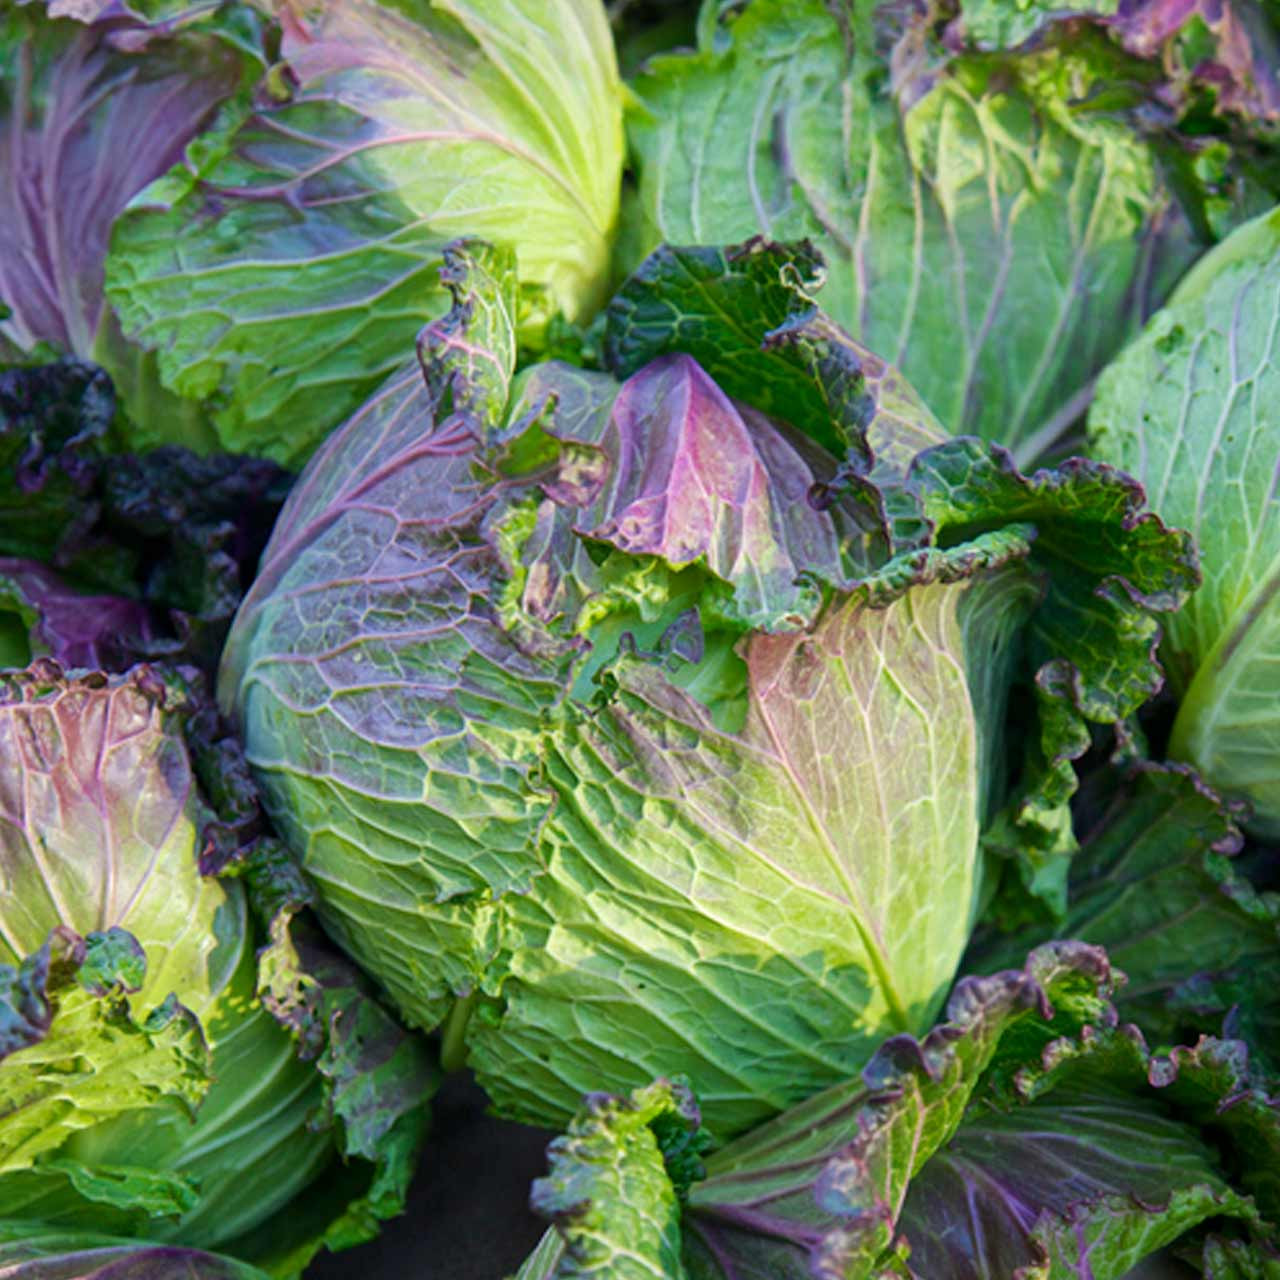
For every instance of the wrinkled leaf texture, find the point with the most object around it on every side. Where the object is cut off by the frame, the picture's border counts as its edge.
(1029, 1135)
(101, 830)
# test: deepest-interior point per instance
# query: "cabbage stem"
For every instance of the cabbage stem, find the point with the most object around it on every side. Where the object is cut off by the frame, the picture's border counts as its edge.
(453, 1043)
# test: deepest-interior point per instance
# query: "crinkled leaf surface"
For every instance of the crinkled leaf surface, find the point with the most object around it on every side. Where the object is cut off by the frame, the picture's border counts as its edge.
(172, 536)
(469, 668)
(681, 941)
(98, 827)
(1112, 563)
(257, 1118)
(797, 926)
(432, 746)
(760, 1200)
(693, 478)
(1190, 410)
(987, 231)
(54, 419)
(375, 1078)
(747, 315)
(1230, 49)
(670, 474)
(609, 1192)
(285, 270)
(84, 1056)
(101, 829)
(1112, 568)
(1027, 1136)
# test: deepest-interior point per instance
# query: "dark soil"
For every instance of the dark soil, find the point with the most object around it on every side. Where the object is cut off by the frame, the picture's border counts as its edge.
(468, 1216)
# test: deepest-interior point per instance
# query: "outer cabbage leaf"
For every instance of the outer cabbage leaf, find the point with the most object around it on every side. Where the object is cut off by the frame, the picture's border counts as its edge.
(76, 752)
(74, 1053)
(990, 230)
(534, 763)
(1188, 410)
(1154, 883)
(100, 830)
(747, 315)
(87, 120)
(31, 1252)
(701, 938)
(688, 477)
(1029, 1135)
(1113, 568)
(610, 1190)
(41, 616)
(1231, 50)
(376, 1079)
(283, 270)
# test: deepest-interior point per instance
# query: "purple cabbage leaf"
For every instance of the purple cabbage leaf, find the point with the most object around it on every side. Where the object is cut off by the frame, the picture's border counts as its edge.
(144, 556)
(30, 1252)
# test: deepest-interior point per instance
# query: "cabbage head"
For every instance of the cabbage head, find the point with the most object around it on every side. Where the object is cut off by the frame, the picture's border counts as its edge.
(1191, 410)
(283, 268)
(999, 210)
(652, 716)
(145, 1087)
(271, 187)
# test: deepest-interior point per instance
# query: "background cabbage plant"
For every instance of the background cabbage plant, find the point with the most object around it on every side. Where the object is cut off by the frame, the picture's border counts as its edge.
(152, 1080)
(1003, 193)
(1191, 410)
(239, 210)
